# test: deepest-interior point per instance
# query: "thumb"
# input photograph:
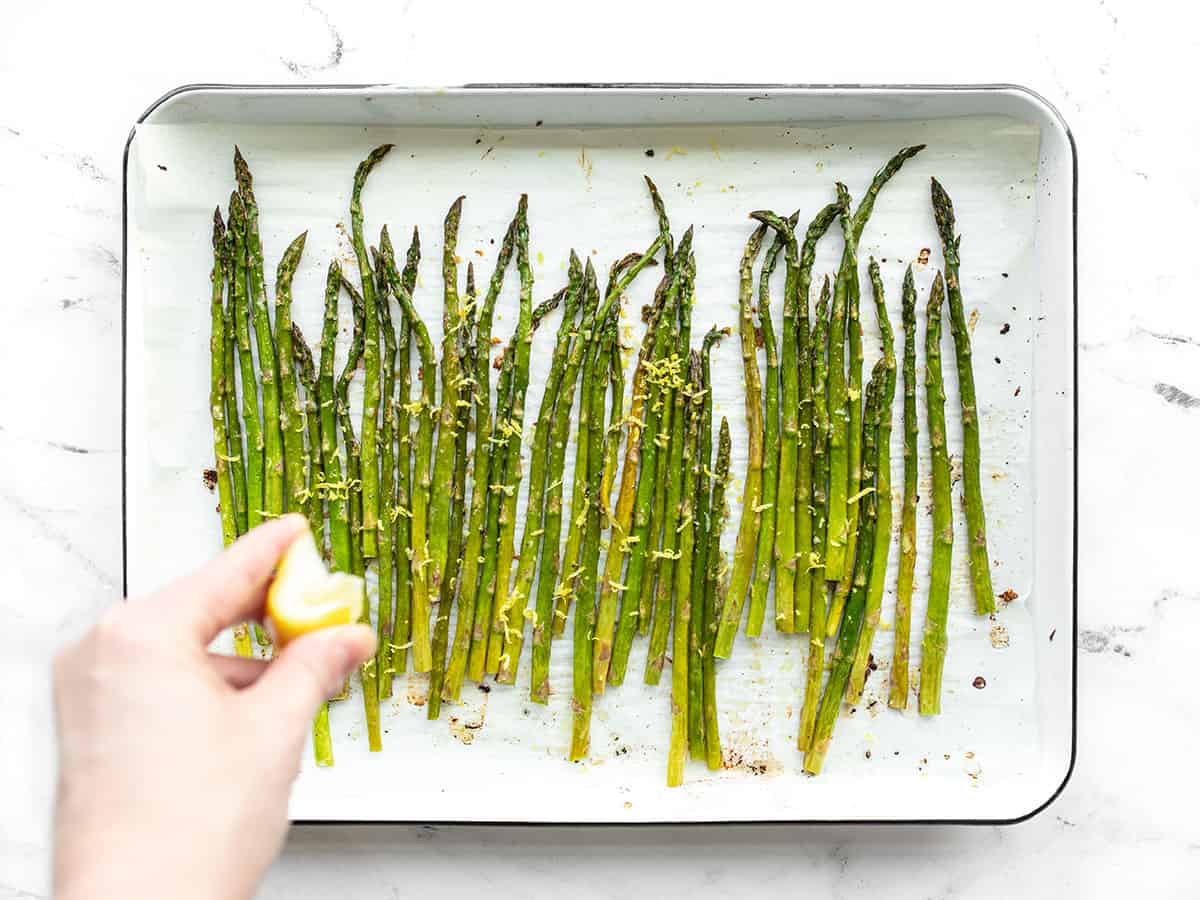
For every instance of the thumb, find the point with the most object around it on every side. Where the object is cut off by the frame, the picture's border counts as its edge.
(312, 669)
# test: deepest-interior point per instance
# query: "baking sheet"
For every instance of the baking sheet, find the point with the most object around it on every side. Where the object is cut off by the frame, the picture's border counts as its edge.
(497, 757)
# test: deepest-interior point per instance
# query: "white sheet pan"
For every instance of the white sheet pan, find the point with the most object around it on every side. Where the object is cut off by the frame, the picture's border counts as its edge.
(995, 754)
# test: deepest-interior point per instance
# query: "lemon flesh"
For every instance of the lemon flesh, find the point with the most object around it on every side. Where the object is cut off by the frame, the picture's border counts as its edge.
(305, 596)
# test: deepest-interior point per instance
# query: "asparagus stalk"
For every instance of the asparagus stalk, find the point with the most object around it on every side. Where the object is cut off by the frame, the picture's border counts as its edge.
(368, 672)
(714, 580)
(668, 380)
(681, 698)
(466, 349)
(535, 497)
(807, 349)
(514, 430)
(385, 564)
(578, 520)
(776, 459)
(621, 542)
(548, 589)
(293, 409)
(353, 450)
(837, 528)
(848, 276)
(731, 612)
(487, 606)
(217, 390)
(402, 621)
(674, 476)
(883, 492)
(242, 328)
(443, 465)
(701, 479)
(420, 604)
(585, 603)
(977, 553)
(898, 695)
(618, 520)
(854, 442)
(229, 409)
(481, 465)
(848, 636)
(267, 362)
(582, 356)
(371, 385)
(481, 632)
(233, 426)
(933, 644)
(306, 372)
(336, 491)
(820, 472)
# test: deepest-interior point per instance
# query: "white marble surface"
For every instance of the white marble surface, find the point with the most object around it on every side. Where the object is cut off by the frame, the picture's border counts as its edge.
(73, 78)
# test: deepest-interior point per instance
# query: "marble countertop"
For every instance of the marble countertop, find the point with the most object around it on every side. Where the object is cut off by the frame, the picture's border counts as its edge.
(74, 79)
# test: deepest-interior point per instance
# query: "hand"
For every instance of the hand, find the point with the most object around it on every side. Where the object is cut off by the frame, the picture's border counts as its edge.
(175, 764)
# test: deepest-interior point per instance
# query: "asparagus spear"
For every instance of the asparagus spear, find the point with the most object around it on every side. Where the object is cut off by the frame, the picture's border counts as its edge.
(779, 456)
(242, 331)
(336, 491)
(353, 449)
(848, 636)
(673, 514)
(535, 497)
(977, 553)
(701, 479)
(579, 360)
(267, 363)
(371, 386)
(731, 612)
(578, 520)
(898, 695)
(443, 465)
(385, 564)
(883, 492)
(816, 575)
(402, 621)
(548, 568)
(216, 396)
(837, 527)
(668, 379)
(292, 408)
(714, 580)
(481, 638)
(306, 372)
(621, 542)
(618, 520)
(806, 445)
(854, 448)
(933, 644)
(420, 602)
(481, 464)
(233, 426)
(486, 592)
(466, 349)
(585, 609)
(682, 631)
(848, 274)
(514, 429)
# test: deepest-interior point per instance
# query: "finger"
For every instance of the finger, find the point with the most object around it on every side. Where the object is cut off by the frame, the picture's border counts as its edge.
(312, 669)
(237, 671)
(230, 588)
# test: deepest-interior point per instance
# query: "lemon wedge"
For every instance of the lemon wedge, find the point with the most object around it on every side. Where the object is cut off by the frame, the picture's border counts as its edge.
(305, 596)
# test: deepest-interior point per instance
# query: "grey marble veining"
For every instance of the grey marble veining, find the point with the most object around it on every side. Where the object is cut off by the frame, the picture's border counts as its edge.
(1117, 70)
